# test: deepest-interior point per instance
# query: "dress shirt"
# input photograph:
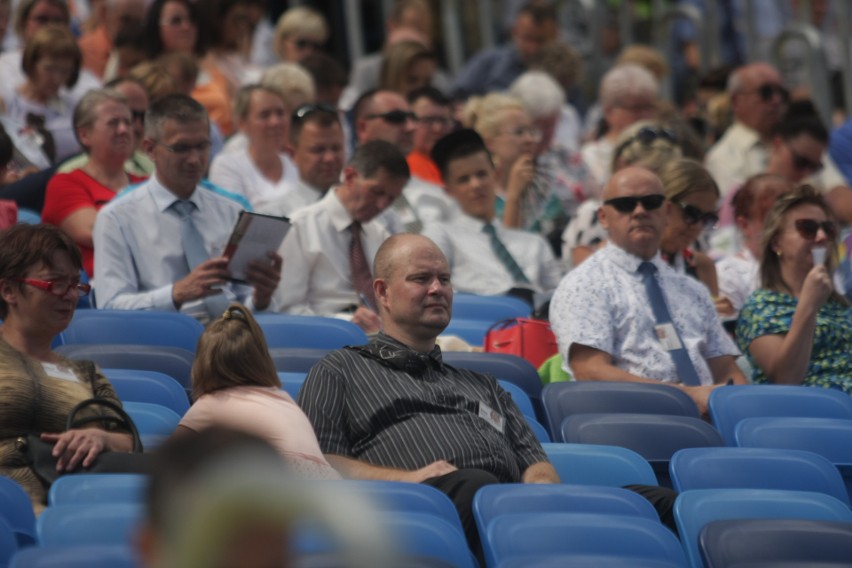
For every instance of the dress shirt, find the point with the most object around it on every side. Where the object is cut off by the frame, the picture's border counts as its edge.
(363, 409)
(430, 201)
(492, 69)
(291, 199)
(476, 268)
(603, 304)
(13, 76)
(316, 278)
(739, 276)
(235, 171)
(597, 155)
(138, 250)
(738, 155)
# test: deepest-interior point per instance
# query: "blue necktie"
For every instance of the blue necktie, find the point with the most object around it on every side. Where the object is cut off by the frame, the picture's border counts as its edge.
(195, 253)
(683, 363)
(504, 256)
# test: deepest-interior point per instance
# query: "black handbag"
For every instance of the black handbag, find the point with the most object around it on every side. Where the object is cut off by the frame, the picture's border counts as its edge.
(39, 453)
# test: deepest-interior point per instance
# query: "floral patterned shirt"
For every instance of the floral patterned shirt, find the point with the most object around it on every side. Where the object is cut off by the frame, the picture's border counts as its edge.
(767, 313)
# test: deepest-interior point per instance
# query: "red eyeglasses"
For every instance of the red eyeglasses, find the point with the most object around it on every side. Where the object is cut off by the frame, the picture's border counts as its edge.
(57, 287)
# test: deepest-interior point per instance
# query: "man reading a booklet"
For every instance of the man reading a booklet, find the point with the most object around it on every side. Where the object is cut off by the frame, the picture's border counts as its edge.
(159, 245)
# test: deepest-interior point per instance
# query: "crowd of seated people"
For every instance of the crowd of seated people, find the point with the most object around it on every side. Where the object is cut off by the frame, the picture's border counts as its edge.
(660, 252)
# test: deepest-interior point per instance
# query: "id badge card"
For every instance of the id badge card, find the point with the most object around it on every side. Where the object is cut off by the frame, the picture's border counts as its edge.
(494, 418)
(668, 337)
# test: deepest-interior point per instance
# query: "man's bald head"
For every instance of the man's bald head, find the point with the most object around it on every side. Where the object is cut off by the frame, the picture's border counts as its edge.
(620, 182)
(634, 211)
(393, 252)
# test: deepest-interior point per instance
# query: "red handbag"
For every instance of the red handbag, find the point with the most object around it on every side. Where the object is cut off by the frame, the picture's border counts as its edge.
(530, 339)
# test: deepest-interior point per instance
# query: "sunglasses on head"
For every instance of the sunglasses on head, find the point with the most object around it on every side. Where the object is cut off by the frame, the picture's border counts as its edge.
(628, 204)
(305, 111)
(647, 135)
(808, 228)
(394, 116)
(803, 163)
(693, 215)
(769, 90)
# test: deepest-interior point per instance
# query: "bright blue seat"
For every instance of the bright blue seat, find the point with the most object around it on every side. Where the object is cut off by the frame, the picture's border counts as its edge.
(829, 437)
(540, 431)
(521, 399)
(28, 216)
(653, 436)
(8, 543)
(98, 488)
(17, 510)
(292, 383)
(420, 534)
(148, 386)
(139, 327)
(91, 556)
(765, 543)
(471, 330)
(756, 468)
(296, 359)
(489, 308)
(284, 330)
(581, 539)
(172, 361)
(695, 509)
(591, 464)
(583, 397)
(154, 422)
(88, 523)
(729, 405)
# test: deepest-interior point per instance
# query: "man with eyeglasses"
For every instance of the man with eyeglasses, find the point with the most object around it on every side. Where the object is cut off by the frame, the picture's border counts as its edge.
(625, 315)
(158, 246)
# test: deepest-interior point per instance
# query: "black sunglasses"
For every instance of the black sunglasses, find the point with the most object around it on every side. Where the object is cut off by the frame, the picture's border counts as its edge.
(803, 163)
(394, 116)
(693, 215)
(628, 204)
(647, 135)
(808, 228)
(769, 90)
(305, 111)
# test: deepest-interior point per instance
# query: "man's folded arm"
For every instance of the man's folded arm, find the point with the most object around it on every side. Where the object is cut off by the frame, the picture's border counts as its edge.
(356, 469)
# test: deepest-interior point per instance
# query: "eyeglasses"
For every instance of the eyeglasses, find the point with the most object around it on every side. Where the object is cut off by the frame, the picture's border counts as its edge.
(803, 163)
(58, 287)
(305, 111)
(693, 215)
(177, 21)
(307, 43)
(433, 121)
(808, 228)
(522, 131)
(628, 204)
(394, 116)
(186, 149)
(768, 90)
(647, 135)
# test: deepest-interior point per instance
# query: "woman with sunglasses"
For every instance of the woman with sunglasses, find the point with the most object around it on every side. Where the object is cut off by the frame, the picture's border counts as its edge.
(796, 329)
(693, 195)
(39, 289)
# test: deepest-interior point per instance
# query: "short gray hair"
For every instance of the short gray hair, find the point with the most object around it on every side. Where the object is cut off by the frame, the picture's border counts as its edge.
(178, 107)
(540, 94)
(292, 82)
(625, 80)
(86, 111)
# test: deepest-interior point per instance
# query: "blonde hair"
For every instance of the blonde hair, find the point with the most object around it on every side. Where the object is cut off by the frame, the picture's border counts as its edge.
(232, 352)
(647, 57)
(631, 151)
(300, 20)
(685, 177)
(485, 114)
(292, 82)
(154, 79)
(398, 60)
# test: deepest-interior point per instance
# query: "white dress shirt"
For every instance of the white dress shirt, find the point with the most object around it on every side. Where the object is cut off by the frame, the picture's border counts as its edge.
(293, 198)
(13, 76)
(476, 268)
(430, 201)
(739, 276)
(603, 304)
(138, 250)
(236, 172)
(316, 278)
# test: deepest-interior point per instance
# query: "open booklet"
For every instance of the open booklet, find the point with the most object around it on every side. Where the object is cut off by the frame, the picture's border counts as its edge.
(253, 236)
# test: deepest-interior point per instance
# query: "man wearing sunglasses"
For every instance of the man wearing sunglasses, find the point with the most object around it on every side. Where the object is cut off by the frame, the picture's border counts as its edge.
(625, 315)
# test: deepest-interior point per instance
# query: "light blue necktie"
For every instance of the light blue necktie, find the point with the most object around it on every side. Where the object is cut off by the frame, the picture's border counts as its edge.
(504, 256)
(683, 363)
(195, 253)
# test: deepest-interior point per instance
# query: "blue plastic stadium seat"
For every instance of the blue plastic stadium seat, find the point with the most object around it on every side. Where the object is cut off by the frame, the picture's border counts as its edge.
(140, 327)
(729, 405)
(172, 361)
(91, 556)
(292, 383)
(471, 330)
(521, 398)
(756, 468)
(148, 386)
(17, 510)
(152, 419)
(583, 397)
(314, 332)
(695, 509)
(296, 359)
(8, 542)
(489, 308)
(540, 431)
(98, 488)
(88, 523)
(591, 464)
(765, 543)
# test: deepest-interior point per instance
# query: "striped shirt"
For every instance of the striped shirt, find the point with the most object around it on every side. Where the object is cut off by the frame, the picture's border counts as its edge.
(389, 413)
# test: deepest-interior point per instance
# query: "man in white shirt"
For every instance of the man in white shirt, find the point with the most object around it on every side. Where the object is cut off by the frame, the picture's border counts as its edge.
(317, 144)
(158, 246)
(604, 315)
(333, 242)
(485, 257)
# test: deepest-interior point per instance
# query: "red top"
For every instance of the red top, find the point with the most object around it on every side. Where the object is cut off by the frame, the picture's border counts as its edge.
(422, 166)
(67, 193)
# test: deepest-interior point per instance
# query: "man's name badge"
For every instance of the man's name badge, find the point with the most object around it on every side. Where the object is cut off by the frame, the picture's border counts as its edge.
(492, 417)
(668, 337)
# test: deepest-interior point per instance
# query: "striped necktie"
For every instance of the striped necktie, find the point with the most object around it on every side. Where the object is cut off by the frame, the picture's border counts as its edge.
(362, 279)
(504, 256)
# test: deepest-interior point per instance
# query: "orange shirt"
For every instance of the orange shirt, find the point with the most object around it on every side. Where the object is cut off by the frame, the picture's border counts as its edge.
(422, 166)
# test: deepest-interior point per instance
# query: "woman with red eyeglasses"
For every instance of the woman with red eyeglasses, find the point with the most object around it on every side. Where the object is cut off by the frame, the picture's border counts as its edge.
(39, 288)
(796, 329)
